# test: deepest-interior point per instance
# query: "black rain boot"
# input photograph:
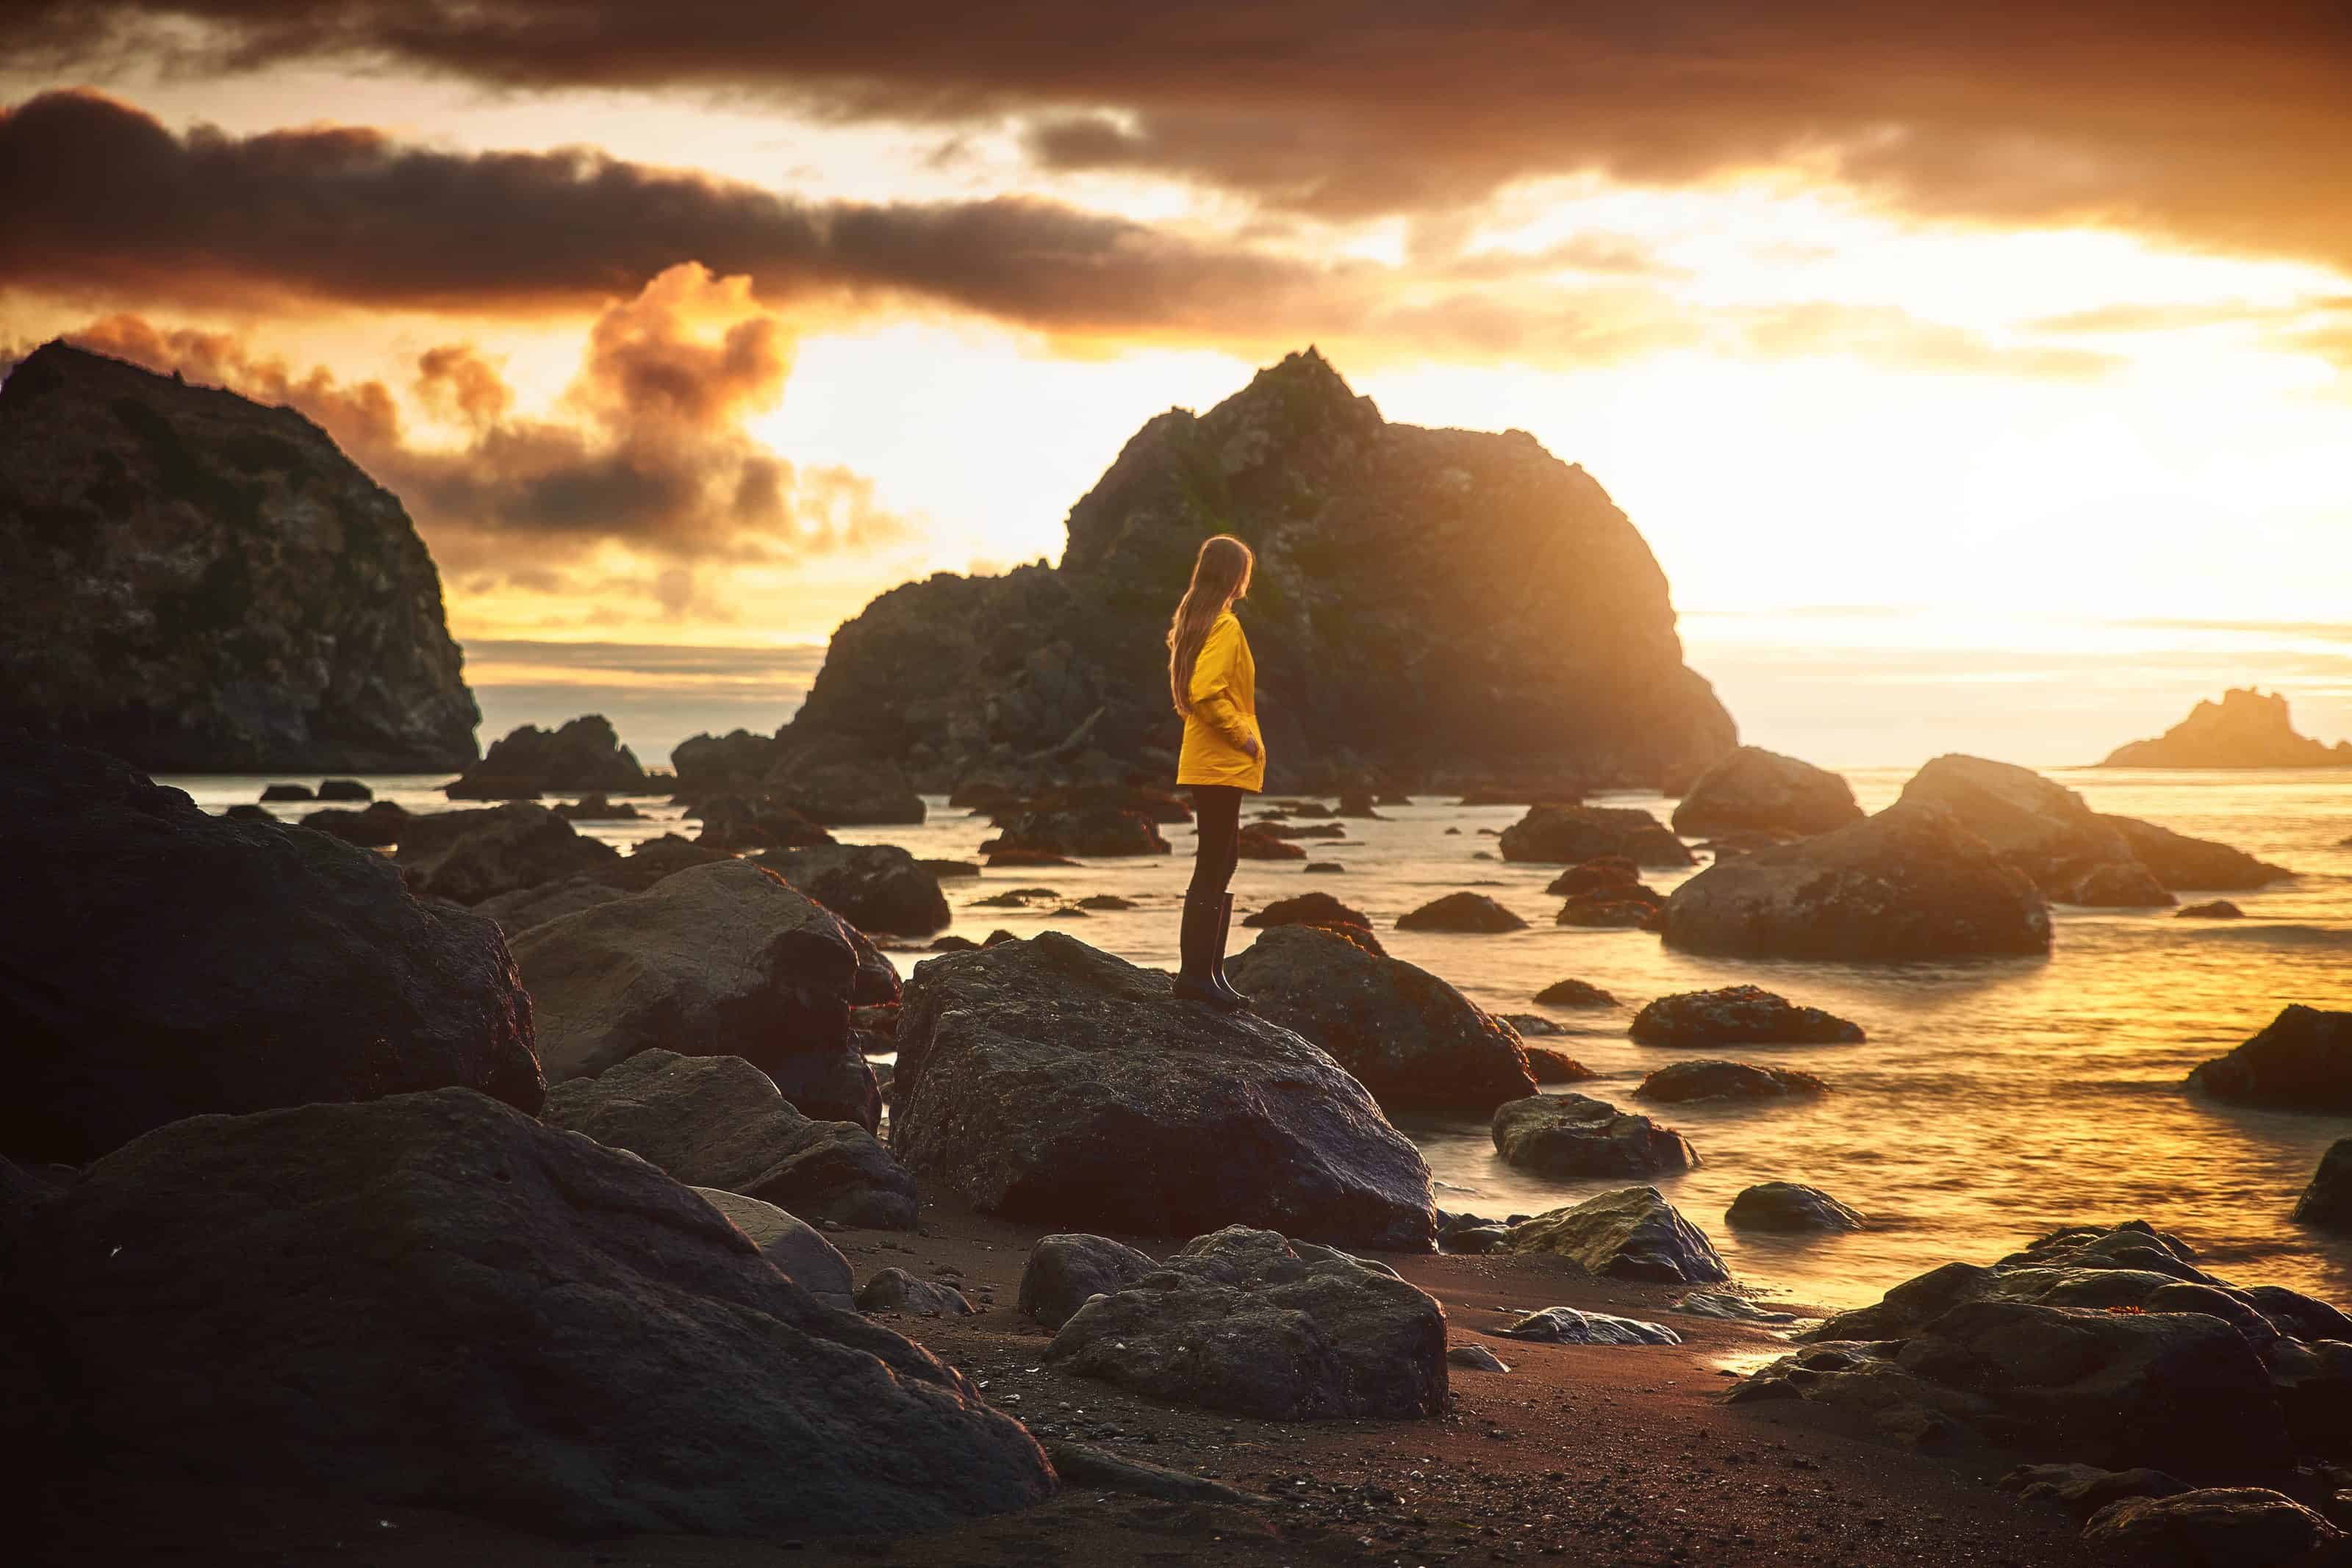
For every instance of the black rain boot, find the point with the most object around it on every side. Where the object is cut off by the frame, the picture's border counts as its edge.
(1195, 978)
(1234, 998)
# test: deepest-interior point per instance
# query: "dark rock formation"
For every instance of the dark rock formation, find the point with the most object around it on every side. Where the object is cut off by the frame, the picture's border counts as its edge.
(1753, 789)
(1245, 1321)
(717, 961)
(2181, 863)
(1633, 908)
(584, 755)
(2086, 1489)
(1633, 1233)
(1417, 1043)
(1575, 993)
(651, 860)
(2217, 909)
(2042, 829)
(157, 962)
(344, 789)
(1567, 1326)
(468, 857)
(1322, 910)
(1603, 875)
(1680, 1082)
(874, 887)
(838, 783)
(433, 1300)
(1256, 843)
(1435, 600)
(895, 1290)
(1792, 1207)
(1550, 1066)
(2120, 886)
(199, 584)
(378, 827)
(1738, 1015)
(1909, 883)
(2213, 1527)
(597, 807)
(2245, 730)
(1461, 912)
(2301, 1061)
(797, 1249)
(718, 1121)
(2327, 1201)
(755, 821)
(1047, 1081)
(1066, 1270)
(1571, 835)
(1096, 826)
(733, 763)
(1564, 1135)
(273, 794)
(524, 908)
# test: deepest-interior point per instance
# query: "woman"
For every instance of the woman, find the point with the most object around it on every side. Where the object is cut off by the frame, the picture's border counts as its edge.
(1214, 684)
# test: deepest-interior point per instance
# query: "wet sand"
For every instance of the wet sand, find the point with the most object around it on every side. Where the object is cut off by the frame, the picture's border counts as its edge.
(1600, 1455)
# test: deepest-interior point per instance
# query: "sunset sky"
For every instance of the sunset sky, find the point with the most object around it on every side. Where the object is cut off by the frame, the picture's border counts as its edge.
(1981, 376)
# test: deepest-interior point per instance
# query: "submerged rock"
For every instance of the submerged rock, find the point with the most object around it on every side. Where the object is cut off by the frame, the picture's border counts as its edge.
(1738, 1015)
(1753, 789)
(1461, 912)
(1577, 1136)
(1413, 1040)
(162, 963)
(718, 1121)
(1550, 1066)
(584, 756)
(1633, 1233)
(1067, 1270)
(1047, 1081)
(797, 1249)
(2181, 863)
(1569, 835)
(2327, 1201)
(200, 584)
(2247, 728)
(1574, 994)
(2301, 1061)
(874, 887)
(500, 1292)
(2218, 909)
(1600, 876)
(1909, 883)
(1789, 1206)
(1246, 1321)
(1567, 1326)
(1679, 1082)
(717, 961)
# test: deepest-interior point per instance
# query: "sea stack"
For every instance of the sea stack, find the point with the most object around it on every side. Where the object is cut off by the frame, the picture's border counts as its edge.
(196, 584)
(2246, 728)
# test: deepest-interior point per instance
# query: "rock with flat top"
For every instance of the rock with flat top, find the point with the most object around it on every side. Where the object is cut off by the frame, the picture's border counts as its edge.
(1571, 835)
(1577, 1136)
(1633, 1233)
(1738, 1015)
(1681, 1083)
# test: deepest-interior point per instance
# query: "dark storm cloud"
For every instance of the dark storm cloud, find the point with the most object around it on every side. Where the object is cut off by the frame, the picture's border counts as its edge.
(2223, 126)
(103, 201)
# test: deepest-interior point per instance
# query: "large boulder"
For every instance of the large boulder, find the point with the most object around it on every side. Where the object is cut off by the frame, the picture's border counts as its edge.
(718, 1121)
(2247, 728)
(582, 756)
(797, 1249)
(157, 962)
(733, 762)
(2181, 863)
(1756, 790)
(1633, 1233)
(481, 854)
(1067, 1270)
(1738, 1015)
(1471, 911)
(1046, 1080)
(843, 785)
(2327, 1201)
(874, 887)
(433, 1299)
(1571, 835)
(2301, 1061)
(1433, 600)
(2213, 1526)
(200, 584)
(1681, 1083)
(2042, 829)
(717, 960)
(1417, 1043)
(1906, 885)
(526, 908)
(1569, 1135)
(1245, 1321)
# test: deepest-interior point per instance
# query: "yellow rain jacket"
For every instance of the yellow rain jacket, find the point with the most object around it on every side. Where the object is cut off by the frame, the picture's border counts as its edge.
(1225, 712)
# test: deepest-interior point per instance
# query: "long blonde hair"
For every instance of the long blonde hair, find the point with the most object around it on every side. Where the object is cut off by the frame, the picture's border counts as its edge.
(1221, 574)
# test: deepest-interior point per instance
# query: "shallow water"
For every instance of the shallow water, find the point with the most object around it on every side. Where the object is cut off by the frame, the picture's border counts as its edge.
(1992, 1101)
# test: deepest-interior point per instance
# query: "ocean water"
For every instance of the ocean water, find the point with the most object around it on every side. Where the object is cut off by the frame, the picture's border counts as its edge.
(1992, 1101)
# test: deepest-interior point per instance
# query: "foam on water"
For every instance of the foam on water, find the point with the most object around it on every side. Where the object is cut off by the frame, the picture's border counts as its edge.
(1992, 1102)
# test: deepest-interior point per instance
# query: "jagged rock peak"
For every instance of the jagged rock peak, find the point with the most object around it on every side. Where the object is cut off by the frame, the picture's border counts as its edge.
(2247, 728)
(197, 582)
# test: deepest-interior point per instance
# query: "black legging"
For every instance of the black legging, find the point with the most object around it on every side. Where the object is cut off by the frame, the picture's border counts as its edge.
(1217, 822)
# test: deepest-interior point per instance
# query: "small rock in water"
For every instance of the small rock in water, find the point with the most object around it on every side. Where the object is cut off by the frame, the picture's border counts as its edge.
(1461, 912)
(1323, 868)
(1476, 1357)
(1790, 1206)
(2327, 1201)
(1739, 1014)
(1566, 1325)
(1574, 993)
(288, 792)
(1681, 1082)
(1576, 1134)
(2218, 909)
(895, 1290)
(1106, 901)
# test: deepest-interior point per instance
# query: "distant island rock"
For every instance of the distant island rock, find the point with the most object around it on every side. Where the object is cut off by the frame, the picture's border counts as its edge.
(2246, 728)
(197, 582)
(1427, 603)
